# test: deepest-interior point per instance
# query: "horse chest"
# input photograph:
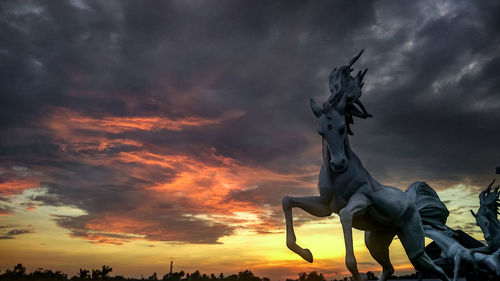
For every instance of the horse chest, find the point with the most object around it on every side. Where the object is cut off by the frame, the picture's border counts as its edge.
(337, 203)
(335, 192)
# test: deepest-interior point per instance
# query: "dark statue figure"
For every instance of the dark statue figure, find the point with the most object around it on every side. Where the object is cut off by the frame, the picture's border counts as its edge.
(347, 189)
(482, 262)
(486, 219)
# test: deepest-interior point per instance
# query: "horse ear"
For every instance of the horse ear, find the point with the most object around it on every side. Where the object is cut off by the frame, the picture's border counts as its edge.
(315, 108)
(473, 214)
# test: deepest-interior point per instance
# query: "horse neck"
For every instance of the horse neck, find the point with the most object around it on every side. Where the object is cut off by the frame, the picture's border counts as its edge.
(326, 155)
(352, 159)
(490, 215)
(494, 223)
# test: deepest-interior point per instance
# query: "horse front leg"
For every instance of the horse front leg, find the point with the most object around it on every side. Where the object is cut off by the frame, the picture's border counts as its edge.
(311, 204)
(357, 204)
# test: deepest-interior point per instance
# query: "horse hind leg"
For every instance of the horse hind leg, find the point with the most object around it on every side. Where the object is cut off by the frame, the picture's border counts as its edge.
(412, 238)
(311, 204)
(423, 263)
(378, 245)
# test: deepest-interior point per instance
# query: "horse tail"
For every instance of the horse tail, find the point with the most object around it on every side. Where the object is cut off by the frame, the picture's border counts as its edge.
(432, 210)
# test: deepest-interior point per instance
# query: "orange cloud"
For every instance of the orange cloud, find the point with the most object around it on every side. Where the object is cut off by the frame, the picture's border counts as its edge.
(197, 189)
(77, 132)
(64, 120)
(13, 184)
(197, 195)
(207, 185)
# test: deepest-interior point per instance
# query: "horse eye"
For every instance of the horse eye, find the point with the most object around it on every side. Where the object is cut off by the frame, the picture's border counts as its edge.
(329, 127)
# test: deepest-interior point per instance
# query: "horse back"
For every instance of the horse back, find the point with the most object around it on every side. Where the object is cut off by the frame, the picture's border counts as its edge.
(389, 204)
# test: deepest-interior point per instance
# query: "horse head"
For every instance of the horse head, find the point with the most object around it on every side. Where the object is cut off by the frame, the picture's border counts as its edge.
(486, 217)
(336, 115)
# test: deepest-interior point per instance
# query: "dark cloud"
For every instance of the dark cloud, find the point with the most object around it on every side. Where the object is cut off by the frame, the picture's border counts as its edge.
(6, 237)
(9, 231)
(244, 70)
(6, 210)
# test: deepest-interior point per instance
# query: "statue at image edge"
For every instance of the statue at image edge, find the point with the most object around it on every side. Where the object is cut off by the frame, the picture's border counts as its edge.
(482, 262)
(347, 189)
(383, 212)
(486, 219)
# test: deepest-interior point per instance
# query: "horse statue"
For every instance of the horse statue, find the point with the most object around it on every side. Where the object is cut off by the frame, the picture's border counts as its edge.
(486, 219)
(347, 189)
(453, 252)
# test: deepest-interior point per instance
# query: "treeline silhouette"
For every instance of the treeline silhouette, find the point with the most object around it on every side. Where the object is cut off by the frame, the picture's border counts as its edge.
(19, 273)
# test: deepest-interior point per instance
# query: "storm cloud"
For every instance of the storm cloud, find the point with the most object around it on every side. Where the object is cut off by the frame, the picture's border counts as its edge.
(172, 121)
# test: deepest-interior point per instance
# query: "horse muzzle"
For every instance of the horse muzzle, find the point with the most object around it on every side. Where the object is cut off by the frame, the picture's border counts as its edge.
(339, 167)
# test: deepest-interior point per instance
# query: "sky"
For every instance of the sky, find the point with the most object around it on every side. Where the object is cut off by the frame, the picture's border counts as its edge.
(134, 133)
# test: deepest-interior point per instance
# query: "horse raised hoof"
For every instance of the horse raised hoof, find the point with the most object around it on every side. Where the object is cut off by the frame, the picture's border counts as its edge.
(307, 255)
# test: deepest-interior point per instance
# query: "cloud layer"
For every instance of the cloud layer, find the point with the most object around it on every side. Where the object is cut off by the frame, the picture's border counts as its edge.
(184, 121)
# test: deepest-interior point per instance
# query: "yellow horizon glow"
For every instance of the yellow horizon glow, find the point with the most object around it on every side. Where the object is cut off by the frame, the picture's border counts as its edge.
(51, 247)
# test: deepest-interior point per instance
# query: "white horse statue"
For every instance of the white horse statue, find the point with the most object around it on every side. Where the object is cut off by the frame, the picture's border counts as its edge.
(347, 189)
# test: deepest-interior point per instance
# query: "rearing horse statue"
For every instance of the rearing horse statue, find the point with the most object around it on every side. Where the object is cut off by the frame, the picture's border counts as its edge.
(347, 189)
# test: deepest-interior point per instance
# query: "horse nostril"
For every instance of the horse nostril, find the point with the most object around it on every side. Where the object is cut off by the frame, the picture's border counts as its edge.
(338, 164)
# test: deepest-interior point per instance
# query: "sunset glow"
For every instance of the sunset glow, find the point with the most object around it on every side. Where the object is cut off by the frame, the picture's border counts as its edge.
(136, 133)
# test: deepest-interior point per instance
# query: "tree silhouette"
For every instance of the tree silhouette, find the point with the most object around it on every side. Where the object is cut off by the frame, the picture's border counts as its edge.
(371, 276)
(96, 274)
(105, 271)
(302, 276)
(83, 274)
(195, 276)
(18, 273)
(19, 270)
(247, 275)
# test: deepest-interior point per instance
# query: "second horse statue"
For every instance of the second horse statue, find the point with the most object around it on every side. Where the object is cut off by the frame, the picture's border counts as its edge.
(347, 189)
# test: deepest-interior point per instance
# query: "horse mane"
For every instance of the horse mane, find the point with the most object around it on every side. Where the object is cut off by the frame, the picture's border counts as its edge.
(489, 200)
(345, 87)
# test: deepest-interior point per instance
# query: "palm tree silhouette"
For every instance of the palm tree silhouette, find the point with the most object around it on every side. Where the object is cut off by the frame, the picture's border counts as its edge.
(96, 274)
(105, 271)
(83, 274)
(302, 276)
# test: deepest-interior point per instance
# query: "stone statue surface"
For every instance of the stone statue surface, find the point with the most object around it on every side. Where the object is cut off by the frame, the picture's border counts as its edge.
(487, 219)
(485, 260)
(453, 252)
(347, 189)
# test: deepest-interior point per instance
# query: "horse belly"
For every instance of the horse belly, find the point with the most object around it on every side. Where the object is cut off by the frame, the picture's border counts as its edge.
(387, 210)
(368, 223)
(389, 204)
